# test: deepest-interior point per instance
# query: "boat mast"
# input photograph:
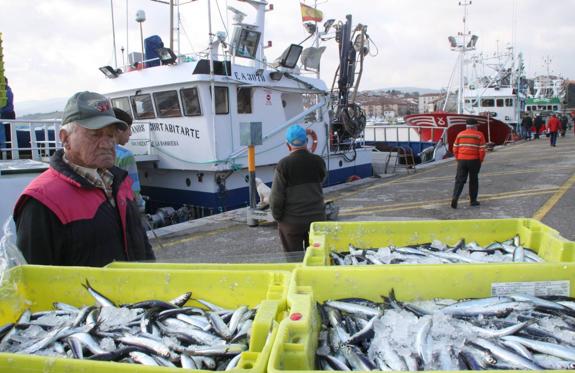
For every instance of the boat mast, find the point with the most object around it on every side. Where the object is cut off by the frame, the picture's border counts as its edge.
(462, 51)
(114, 34)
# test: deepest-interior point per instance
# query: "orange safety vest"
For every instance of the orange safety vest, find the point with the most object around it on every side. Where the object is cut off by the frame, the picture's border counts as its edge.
(468, 145)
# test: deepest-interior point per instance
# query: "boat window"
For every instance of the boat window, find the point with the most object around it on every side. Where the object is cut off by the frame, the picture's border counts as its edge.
(191, 102)
(122, 103)
(244, 100)
(246, 42)
(509, 102)
(488, 102)
(528, 108)
(143, 107)
(222, 104)
(499, 102)
(167, 104)
(555, 108)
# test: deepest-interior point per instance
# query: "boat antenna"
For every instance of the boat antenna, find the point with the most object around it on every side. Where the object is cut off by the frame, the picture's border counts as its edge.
(127, 32)
(114, 34)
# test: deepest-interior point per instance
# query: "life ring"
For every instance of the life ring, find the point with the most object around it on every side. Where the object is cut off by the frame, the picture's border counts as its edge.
(313, 144)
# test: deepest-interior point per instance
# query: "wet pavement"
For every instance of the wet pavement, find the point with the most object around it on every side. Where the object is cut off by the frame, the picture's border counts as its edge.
(527, 179)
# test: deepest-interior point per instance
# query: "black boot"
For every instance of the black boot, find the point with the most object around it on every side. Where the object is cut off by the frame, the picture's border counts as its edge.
(454, 203)
(474, 203)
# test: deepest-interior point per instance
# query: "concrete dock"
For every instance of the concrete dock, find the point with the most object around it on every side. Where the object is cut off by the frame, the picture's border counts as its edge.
(523, 179)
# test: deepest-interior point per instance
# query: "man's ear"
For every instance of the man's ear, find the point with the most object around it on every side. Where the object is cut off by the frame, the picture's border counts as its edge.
(64, 137)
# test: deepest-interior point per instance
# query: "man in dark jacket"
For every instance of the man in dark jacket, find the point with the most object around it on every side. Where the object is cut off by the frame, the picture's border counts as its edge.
(296, 199)
(526, 125)
(538, 123)
(82, 211)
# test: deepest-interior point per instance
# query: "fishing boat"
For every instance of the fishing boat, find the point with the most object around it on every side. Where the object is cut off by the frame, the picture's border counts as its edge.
(195, 116)
(493, 101)
(548, 94)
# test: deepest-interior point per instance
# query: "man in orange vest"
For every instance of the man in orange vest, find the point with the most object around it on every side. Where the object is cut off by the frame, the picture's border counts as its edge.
(469, 150)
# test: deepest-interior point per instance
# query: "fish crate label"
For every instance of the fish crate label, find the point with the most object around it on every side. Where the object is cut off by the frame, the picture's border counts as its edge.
(537, 288)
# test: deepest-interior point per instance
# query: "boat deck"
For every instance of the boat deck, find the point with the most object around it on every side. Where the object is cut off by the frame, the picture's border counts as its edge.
(524, 179)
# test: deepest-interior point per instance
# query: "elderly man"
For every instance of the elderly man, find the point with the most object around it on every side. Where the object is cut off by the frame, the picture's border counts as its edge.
(81, 211)
(296, 199)
(469, 150)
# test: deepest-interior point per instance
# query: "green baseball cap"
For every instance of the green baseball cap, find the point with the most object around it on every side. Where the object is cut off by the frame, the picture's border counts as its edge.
(92, 111)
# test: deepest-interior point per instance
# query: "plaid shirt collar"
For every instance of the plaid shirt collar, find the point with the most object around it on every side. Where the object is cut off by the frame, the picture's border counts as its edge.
(100, 178)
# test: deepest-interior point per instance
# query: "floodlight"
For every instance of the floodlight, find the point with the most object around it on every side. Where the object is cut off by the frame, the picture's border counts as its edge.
(290, 56)
(327, 25)
(276, 75)
(452, 41)
(472, 41)
(110, 72)
(167, 56)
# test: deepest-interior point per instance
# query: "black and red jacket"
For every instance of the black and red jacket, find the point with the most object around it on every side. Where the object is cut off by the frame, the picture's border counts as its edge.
(62, 219)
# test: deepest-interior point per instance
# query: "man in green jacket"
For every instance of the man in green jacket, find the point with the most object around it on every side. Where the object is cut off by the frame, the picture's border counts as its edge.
(297, 197)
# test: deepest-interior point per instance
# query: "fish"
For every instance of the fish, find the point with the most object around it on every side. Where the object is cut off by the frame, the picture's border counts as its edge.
(152, 332)
(437, 252)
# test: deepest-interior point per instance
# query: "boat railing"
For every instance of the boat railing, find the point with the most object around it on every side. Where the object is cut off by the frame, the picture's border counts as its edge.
(31, 139)
(400, 135)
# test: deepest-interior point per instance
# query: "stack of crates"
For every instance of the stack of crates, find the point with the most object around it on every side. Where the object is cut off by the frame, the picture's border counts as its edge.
(284, 338)
(318, 280)
(37, 287)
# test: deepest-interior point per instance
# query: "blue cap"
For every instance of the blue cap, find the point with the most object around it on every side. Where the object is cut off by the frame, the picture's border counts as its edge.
(296, 136)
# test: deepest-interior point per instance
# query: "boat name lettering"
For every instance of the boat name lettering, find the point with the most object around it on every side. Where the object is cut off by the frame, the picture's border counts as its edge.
(155, 143)
(249, 77)
(174, 128)
(138, 128)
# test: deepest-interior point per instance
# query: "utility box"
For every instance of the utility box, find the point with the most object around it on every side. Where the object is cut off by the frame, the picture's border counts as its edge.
(250, 133)
(134, 57)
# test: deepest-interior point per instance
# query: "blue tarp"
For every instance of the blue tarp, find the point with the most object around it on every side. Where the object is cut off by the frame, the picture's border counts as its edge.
(151, 45)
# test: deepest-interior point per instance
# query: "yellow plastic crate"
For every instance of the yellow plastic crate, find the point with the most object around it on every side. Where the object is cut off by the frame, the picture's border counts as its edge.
(36, 287)
(220, 266)
(296, 341)
(336, 236)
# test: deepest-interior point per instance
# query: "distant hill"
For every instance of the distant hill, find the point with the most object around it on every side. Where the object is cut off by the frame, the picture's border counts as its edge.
(25, 108)
(422, 91)
(43, 116)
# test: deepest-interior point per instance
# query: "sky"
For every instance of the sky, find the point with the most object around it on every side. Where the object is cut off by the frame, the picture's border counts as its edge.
(53, 48)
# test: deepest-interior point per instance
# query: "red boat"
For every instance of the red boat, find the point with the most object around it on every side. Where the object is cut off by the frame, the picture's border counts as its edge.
(495, 131)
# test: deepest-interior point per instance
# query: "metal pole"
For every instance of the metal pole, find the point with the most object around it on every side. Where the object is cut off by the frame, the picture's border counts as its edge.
(142, 40)
(114, 34)
(127, 33)
(172, 24)
(252, 172)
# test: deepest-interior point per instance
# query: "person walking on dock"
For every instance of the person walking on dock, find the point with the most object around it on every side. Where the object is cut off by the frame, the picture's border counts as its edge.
(538, 123)
(469, 150)
(526, 124)
(296, 199)
(553, 127)
(82, 211)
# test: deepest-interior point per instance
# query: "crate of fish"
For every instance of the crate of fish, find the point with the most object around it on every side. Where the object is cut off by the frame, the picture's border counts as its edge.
(203, 266)
(75, 319)
(436, 242)
(428, 317)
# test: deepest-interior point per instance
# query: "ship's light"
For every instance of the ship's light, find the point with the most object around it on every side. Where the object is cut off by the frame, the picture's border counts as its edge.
(110, 72)
(167, 56)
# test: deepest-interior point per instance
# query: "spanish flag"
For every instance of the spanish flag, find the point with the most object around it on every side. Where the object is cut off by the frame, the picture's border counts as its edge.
(310, 14)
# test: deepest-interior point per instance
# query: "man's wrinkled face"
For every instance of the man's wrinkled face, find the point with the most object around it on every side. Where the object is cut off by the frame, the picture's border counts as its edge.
(91, 148)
